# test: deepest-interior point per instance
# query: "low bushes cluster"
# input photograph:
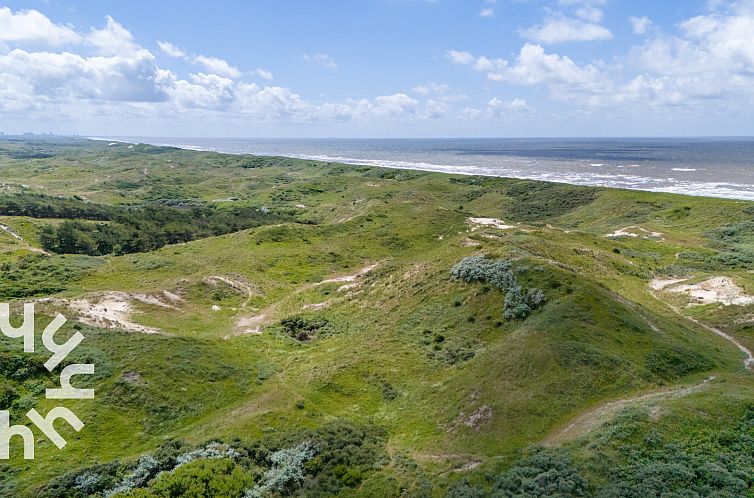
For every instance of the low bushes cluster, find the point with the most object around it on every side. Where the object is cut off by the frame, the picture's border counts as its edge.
(304, 328)
(519, 302)
(303, 463)
(710, 463)
(540, 474)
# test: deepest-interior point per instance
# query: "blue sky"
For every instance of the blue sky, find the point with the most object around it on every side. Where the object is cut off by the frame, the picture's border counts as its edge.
(378, 68)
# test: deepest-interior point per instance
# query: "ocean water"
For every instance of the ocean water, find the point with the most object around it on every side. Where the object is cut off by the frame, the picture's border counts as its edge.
(717, 167)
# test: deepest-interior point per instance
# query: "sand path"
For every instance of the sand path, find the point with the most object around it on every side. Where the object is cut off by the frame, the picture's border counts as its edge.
(595, 417)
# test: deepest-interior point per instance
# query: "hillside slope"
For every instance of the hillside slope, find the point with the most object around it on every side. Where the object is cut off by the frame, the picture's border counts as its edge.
(315, 317)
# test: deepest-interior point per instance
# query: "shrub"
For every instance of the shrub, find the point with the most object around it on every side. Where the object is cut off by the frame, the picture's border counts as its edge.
(144, 471)
(519, 302)
(303, 328)
(218, 478)
(287, 471)
(542, 474)
(478, 269)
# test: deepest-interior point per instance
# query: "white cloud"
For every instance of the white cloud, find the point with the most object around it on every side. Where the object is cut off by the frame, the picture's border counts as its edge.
(705, 67)
(561, 29)
(202, 91)
(459, 57)
(498, 108)
(533, 66)
(113, 39)
(66, 76)
(394, 105)
(217, 66)
(264, 74)
(171, 50)
(640, 24)
(31, 26)
(487, 12)
(431, 88)
(321, 59)
(582, 2)
(589, 13)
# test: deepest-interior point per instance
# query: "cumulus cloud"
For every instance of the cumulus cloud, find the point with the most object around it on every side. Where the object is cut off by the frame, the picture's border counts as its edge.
(264, 74)
(65, 75)
(487, 12)
(575, 20)
(561, 29)
(431, 88)
(498, 108)
(533, 66)
(640, 24)
(31, 26)
(171, 50)
(217, 66)
(323, 60)
(114, 75)
(707, 63)
(113, 39)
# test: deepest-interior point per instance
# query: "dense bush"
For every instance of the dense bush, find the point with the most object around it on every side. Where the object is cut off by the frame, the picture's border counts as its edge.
(304, 463)
(149, 228)
(540, 474)
(43, 206)
(715, 463)
(304, 328)
(200, 479)
(129, 228)
(287, 471)
(742, 232)
(519, 302)
(478, 269)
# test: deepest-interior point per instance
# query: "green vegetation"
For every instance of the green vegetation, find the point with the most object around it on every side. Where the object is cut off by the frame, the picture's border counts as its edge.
(39, 275)
(308, 463)
(519, 302)
(149, 228)
(335, 330)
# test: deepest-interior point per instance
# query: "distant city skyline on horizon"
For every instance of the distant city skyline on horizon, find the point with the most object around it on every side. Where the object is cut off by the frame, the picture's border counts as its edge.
(446, 69)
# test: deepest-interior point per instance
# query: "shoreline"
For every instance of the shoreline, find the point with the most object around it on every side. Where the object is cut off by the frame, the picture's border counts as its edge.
(718, 190)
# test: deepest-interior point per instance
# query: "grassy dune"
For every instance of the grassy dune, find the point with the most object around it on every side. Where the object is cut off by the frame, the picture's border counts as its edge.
(460, 393)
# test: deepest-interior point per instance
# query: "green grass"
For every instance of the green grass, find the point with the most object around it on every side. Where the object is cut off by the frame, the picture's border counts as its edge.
(429, 360)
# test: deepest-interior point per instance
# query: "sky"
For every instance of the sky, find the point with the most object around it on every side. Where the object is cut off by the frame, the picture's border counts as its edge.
(378, 68)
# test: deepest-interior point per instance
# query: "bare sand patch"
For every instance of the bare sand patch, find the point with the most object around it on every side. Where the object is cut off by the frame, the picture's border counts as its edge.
(467, 242)
(636, 232)
(661, 283)
(721, 290)
(153, 300)
(317, 306)
(110, 310)
(251, 325)
(12, 233)
(349, 278)
(171, 296)
(489, 223)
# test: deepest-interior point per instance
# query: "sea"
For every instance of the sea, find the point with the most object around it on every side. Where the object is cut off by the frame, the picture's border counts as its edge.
(715, 167)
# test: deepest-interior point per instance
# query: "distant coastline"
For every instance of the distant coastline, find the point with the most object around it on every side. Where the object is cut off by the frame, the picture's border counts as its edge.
(700, 167)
